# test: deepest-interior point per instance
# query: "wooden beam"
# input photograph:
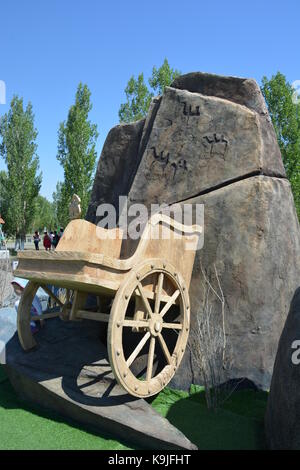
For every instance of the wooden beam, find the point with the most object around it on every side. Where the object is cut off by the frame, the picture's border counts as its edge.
(79, 301)
(44, 316)
(51, 294)
(97, 316)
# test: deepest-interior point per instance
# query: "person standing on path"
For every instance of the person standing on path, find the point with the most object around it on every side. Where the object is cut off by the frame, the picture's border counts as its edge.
(47, 241)
(51, 235)
(55, 239)
(36, 239)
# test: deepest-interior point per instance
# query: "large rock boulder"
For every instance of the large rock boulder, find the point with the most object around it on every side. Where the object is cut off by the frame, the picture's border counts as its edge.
(283, 411)
(210, 140)
(117, 166)
(256, 254)
(198, 143)
(243, 91)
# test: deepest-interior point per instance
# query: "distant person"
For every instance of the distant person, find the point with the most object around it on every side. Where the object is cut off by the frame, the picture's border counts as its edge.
(2, 237)
(51, 235)
(18, 241)
(36, 239)
(47, 242)
(61, 232)
(55, 239)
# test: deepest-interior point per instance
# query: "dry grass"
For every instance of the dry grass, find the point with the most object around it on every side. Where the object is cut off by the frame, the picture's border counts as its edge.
(208, 340)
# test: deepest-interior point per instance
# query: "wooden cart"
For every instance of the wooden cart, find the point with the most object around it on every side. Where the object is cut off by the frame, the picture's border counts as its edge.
(143, 298)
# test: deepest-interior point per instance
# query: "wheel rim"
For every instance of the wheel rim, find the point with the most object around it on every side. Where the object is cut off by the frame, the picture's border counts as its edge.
(24, 312)
(165, 310)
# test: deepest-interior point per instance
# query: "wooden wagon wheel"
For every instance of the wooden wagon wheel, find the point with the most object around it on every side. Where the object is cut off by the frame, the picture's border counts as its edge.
(163, 307)
(24, 316)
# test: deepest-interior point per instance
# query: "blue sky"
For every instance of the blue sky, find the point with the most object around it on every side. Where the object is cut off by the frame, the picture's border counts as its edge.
(48, 47)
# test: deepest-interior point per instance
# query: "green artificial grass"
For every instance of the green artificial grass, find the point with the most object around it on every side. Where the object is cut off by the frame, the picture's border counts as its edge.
(25, 428)
(238, 424)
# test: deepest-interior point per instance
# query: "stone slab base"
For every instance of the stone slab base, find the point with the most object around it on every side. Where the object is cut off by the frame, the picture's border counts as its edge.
(69, 373)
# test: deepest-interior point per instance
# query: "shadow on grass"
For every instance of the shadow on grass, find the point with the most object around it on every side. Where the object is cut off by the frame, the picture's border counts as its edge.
(238, 424)
(50, 424)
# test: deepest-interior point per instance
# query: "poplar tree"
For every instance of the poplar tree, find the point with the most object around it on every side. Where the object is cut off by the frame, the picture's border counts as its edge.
(138, 95)
(76, 153)
(284, 111)
(21, 183)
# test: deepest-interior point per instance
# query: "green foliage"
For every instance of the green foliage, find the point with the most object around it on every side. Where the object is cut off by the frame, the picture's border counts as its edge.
(77, 153)
(138, 95)
(162, 77)
(285, 116)
(21, 183)
(4, 200)
(61, 210)
(45, 215)
(138, 100)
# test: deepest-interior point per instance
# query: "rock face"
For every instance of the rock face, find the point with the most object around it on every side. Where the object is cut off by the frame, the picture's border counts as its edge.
(256, 254)
(282, 421)
(198, 143)
(210, 140)
(117, 165)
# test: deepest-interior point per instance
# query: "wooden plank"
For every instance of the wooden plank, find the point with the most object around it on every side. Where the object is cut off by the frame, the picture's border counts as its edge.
(79, 301)
(97, 316)
(45, 316)
(173, 248)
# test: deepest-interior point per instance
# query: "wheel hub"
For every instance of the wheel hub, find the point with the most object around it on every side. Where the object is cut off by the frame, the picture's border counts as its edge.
(156, 324)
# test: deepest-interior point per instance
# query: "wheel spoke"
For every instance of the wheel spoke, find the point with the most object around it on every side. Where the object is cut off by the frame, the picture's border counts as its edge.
(170, 302)
(150, 359)
(135, 323)
(138, 349)
(174, 326)
(158, 293)
(145, 300)
(164, 348)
